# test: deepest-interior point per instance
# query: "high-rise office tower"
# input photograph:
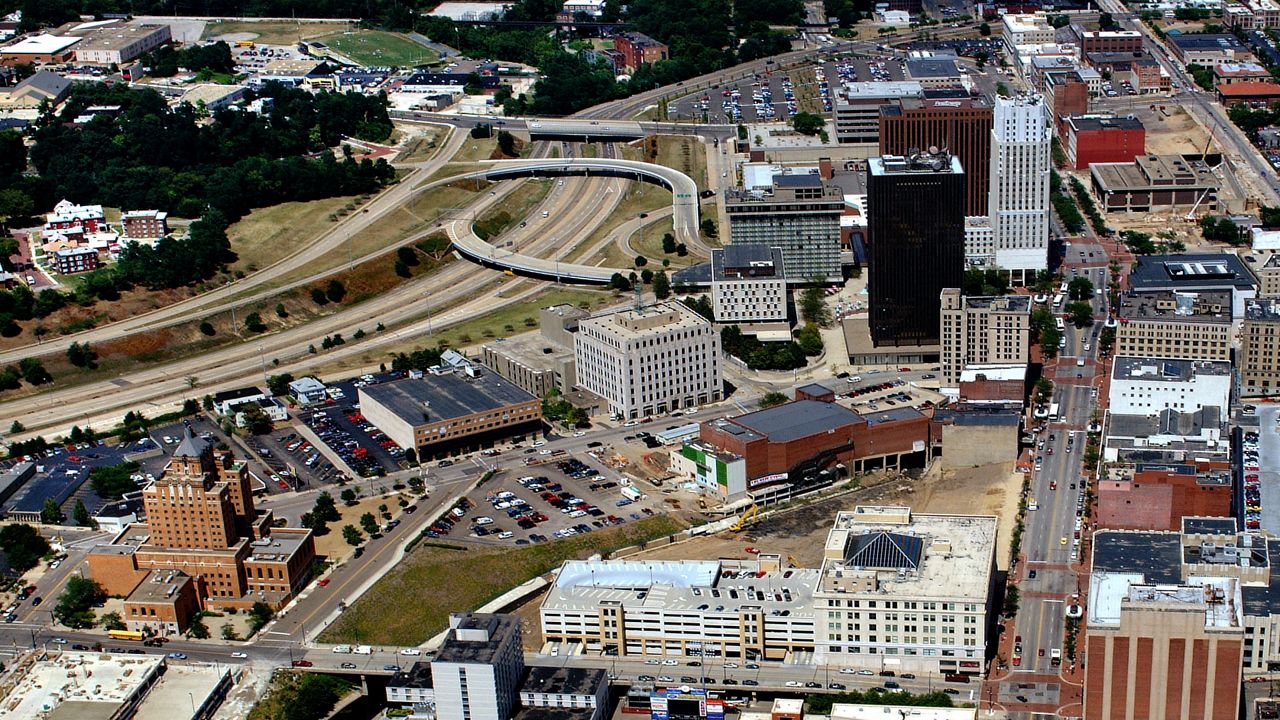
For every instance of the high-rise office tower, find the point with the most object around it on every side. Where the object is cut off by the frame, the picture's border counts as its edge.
(915, 226)
(960, 125)
(1019, 197)
(801, 215)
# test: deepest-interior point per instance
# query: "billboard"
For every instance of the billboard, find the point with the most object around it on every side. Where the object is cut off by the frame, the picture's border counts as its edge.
(684, 703)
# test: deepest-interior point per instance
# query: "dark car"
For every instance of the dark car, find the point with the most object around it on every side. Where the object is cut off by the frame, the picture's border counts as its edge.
(79, 647)
(887, 673)
(891, 685)
(951, 691)
(749, 681)
(812, 684)
(836, 686)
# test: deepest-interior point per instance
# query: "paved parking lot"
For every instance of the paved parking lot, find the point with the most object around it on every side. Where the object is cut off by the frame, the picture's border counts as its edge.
(560, 497)
(777, 95)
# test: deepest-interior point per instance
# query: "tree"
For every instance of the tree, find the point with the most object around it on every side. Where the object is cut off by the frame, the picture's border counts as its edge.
(773, 398)
(814, 306)
(369, 523)
(318, 297)
(335, 291)
(23, 546)
(619, 282)
(50, 514)
(206, 328)
(348, 497)
(507, 143)
(1080, 313)
(661, 285)
(197, 629)
(807, 123)
(253, 323)
(228, 632)
(709, 229)
(34, 371)
(1049, 339)
(82, 356)
(281, 312)
(256, 420)
(1044, 390)
(809, 338)
(1080, 288)
(75, 605)
(112, 621)
(401, 269)
(279, 384)
(668, 243)
(111, 482)
(1010, 607)
(984, 30)
(352, 535)
(80, 514)
(411, 456)
(259, 615)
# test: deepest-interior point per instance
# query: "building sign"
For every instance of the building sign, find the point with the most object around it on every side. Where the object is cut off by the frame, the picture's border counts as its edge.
(684, 703)
(766, 479)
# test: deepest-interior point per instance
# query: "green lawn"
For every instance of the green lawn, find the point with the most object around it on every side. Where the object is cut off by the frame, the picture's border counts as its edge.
(412, 602)
(270, 33)
(376, 47)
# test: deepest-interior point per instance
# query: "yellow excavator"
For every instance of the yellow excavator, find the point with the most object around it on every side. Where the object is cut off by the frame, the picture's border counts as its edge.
(746, 519)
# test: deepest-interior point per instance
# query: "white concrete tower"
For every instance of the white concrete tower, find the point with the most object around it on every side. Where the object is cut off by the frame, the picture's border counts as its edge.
(1019, 195)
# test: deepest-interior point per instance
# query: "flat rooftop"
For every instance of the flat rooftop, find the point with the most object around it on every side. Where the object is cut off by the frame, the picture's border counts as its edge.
(1206, 41)
(746, 262)
(59, 486)
(1105, 123)
(532, 349)
(42, 44)
(1158, 172)
(789, 421)
(688, 585)
(1211, 306)
(1173, 371)
(1005, 303)
(1262, 310)
(564, 680)
(433, 398)
(180, 687)
(1155, 556)
(924, 164)
(933, 68)
(1208, 526)
(633, 324)
(1190, 272)
(848, 711)
(1269, 468)
(417, 676)
(857, 91)
(277, 547)
(911, 554)
(87, 680)
(495, 629)
(159, 586)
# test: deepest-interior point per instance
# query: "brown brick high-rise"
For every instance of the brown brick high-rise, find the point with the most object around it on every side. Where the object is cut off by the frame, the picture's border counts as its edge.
(963, 126)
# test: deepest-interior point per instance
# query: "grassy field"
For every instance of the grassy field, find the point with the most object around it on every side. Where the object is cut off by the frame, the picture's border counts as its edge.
(684, 154)
(268, 234)
(433, 577)
(271, 33)
(514, 208)
(516, 316)
(376, 47)
(639, 197)
(421, 144)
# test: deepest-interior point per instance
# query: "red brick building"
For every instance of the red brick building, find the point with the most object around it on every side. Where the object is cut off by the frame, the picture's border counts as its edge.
(145, 224)
(1118, 41)
(1157, 497)
(1104, 140)
(1068, 96)
(638, 49)
(1250, 93)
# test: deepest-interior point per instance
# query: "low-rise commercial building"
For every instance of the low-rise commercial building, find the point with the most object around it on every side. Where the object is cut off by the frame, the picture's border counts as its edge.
(1254, 93)
(974, 435)
(1175, 325)
(1104, 140)
(582, 689)
(451, 411)
(1155, 183)
(1025, 29)
(1167, 411)
(1208, 49)
(1195, 273)
(1259, 358)
(1231, 73)
(649, 360)
(750, 609)
(982, 330)
(30, 93)
(1151, 496)
(40, 49)
(906, 591)
(164, 603)
(1117, 41)
(934, 72)
(308, 391)
(748, 284)
(857, 108)
(117, 43)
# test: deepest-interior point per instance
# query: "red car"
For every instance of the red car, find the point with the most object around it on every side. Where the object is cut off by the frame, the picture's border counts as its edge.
(323, 582)
(753, 551)
(303, 663)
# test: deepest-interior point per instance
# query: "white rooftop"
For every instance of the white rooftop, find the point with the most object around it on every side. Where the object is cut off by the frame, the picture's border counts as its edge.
(470, 10)
(845, 711)
(1221, 597)
(42, 44)
(993, 372)
(95, 678)
(638, 573)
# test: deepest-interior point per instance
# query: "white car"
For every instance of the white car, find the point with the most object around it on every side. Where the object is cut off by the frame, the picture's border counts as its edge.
(848, 671)
(794, 683)
(411, 651)
(651, 662)
(239, 655)
(484, 521)
(670, 662)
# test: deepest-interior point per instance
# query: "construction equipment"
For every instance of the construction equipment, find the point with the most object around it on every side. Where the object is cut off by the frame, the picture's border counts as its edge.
(746, 519)
(794, 562)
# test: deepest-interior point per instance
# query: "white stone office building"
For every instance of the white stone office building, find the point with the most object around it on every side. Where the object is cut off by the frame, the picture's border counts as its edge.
(1018, 201)
(748, 284)
(906, 592)
(983, 331)
(649, 360)
(478, 670)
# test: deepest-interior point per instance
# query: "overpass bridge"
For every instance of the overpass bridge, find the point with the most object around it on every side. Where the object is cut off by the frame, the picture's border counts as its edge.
(684, 203)
(572, 129)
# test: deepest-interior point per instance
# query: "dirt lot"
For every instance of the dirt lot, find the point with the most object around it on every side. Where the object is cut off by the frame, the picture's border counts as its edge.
(332, 545)
(1171, 131)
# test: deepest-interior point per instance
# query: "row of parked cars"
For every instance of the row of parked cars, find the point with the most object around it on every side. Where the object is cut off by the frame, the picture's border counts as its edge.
(1252, 486)
(348, 448)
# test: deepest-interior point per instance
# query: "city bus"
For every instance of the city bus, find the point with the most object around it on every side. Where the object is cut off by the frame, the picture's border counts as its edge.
(125, 635)
(245, 43)
(1053, 412)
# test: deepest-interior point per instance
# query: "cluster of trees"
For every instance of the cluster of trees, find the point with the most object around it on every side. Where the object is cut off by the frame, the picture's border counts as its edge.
(165, 61)
(821, 704)
(29, 369)
(1064, 205)
(772, 355)
(986, 282)
(300, 696)
(322, 513)
(37, 13)
(422, 359)
(556, 407)
(113, 481)
(1202, 75)
(1223, 230)
(1044, 329)
(23, 546)
(75, 605)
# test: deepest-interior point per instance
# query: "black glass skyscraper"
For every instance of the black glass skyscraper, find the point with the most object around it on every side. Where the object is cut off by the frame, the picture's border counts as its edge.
(915, 227)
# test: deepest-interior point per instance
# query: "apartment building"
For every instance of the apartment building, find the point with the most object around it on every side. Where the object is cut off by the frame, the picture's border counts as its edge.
(906, 591)
(201, 520)
(800, 215)
(451, 411)
(982, 331)
(748, 284)
(75, 260)
(1259, 359)
(145, 224)
(1117, 41)
(638, 49)
(1269, 276)
(477, 672)
(745, 609)
(1175, 325)
(649, 360)
(916, 248)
